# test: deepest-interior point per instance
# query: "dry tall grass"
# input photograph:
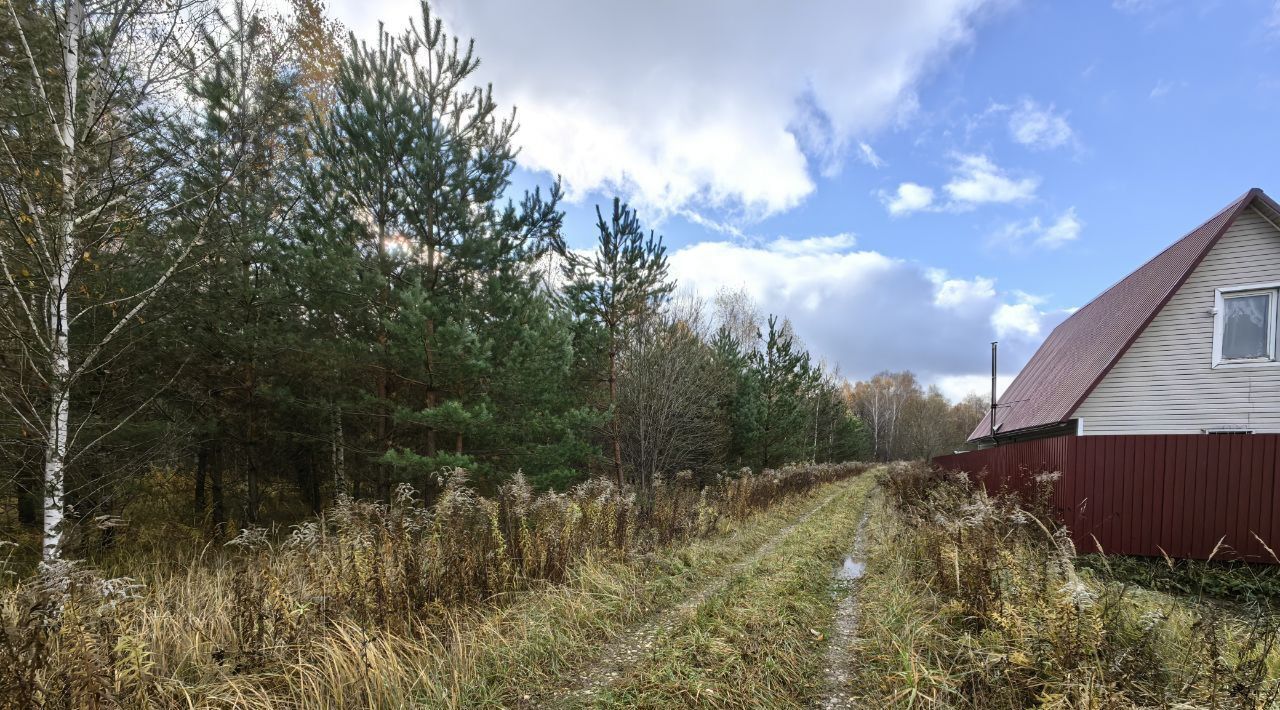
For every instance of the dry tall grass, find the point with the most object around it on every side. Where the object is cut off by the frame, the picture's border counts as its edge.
(975, 601)
(368, 605)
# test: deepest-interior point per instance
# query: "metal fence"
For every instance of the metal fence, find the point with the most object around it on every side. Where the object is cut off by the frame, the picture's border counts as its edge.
(1179, 495)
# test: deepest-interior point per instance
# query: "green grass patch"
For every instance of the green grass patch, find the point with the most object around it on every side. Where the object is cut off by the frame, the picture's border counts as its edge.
(1237, 582)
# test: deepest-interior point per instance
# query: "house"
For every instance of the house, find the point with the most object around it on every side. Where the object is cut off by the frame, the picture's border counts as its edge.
(1158, 403)
(1186, 344)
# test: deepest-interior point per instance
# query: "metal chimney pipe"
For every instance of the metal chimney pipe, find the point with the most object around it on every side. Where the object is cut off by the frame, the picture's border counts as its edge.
(994, 345)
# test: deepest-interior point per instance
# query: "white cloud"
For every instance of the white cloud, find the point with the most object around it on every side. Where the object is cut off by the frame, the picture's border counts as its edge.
(909, 197)
(1039, 127)
(702, 220)
(869, 156)
(867, 311)
(711, 103)
(813, 245)
(1019, 236)
(1016, 319)
(1163, 87)
(957, 387)
(1014, 235)
(1066, 228)
(976, 181)
(958, 294)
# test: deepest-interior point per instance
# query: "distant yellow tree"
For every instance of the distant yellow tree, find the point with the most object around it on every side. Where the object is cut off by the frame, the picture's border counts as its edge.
(316, 39)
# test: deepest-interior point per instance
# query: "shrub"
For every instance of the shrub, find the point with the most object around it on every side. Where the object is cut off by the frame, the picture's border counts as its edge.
(65, 640)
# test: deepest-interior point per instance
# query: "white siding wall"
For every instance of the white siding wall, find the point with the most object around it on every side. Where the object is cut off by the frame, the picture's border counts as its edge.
(1166, 383)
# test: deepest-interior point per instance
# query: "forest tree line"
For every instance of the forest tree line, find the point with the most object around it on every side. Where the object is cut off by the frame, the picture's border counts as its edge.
(256, 259)
(286, 264)
(905, 420)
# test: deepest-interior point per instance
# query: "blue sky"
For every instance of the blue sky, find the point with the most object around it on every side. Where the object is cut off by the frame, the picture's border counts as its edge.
(905, 180)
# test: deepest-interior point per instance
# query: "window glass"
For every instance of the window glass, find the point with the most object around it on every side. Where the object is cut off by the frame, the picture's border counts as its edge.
(1246, 327)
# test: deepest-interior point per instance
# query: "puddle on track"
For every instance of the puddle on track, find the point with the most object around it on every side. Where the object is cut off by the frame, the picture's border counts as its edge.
(850, 569)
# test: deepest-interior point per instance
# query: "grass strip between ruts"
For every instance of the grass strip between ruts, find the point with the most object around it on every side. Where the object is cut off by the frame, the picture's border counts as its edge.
(522, 654)
(760, 641)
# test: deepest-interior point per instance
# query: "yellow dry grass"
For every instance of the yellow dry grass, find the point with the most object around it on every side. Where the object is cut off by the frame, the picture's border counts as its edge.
(975, 602)
(472, 602)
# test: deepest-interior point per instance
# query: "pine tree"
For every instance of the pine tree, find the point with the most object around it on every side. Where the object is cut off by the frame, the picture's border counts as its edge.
(407, 219)
(233, 329)
(537, 421)
(837, 434)
(783, 371)
(623, 280)
(740, 402)
(356, 214)
(461, 160)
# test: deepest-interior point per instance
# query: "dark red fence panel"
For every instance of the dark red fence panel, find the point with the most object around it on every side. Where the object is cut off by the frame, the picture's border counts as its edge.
(1184, 495)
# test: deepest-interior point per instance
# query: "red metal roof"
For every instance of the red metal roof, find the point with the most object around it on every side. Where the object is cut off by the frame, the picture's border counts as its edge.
(1083, 348)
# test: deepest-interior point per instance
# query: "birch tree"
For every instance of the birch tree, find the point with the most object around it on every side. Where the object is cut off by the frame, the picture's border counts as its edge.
(669, 395)
(83, 161)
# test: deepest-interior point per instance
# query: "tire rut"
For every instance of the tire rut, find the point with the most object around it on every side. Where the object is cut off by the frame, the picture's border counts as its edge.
(630, 648)
(844, 628)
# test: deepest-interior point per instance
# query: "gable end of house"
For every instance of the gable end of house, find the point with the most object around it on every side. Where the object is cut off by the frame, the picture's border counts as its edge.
(1055, 386)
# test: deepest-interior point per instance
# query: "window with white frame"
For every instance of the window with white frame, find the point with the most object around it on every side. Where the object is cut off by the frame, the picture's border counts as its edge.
(1245, 325)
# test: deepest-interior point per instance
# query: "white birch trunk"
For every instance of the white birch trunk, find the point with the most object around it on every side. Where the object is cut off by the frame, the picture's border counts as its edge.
(60, 410)
(59, 315)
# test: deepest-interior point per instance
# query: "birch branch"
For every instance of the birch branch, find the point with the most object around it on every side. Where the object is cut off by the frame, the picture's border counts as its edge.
(18, 410)
(145, 296)
(123, 420)
(17, 293)
(31, 212)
